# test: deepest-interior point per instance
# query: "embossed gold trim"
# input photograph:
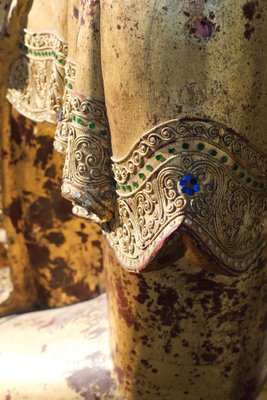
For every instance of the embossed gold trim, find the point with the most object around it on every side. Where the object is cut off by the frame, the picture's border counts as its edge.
(37, 80)
(226, 214)
(87, 177)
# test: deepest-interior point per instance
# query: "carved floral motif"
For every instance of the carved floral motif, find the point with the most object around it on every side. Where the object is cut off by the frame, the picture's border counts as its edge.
(226, 212)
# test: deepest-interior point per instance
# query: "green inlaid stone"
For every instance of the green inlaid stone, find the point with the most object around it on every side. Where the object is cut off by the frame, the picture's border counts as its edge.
(213, 153)
(261, 185)
(92, 125)
(43, 53)
(69, 85)
(49, 53)
(149, 167)
(141, 175)
(79, 121)
(159, 157)
(61, 61)
(73, 118)
(234, 167)
(118, 187)
(201, 146)
(185, 146)
(129, 188)
(171, 150)
(242, 175)
(135, 184)
(224, 159)
(35, 53)
(123, 188)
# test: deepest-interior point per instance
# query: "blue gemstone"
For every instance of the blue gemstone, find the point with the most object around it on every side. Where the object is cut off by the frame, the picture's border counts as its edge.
(188, 177)
(184, 190)
(182, 182)
(193, 181)
(190, 192)
(196, 188)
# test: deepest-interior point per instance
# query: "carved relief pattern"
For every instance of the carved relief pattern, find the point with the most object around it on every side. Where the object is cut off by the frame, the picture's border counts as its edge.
(87, 177)
(41, 87)
(64, 118)
(40, 41)
(37, 79)
(64, 123)
(212, 132)
(227, 211)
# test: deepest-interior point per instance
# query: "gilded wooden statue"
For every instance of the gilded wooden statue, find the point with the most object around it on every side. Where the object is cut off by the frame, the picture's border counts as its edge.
(160, 111)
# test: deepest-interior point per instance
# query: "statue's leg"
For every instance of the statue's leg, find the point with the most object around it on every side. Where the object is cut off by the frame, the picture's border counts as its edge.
(185, 333)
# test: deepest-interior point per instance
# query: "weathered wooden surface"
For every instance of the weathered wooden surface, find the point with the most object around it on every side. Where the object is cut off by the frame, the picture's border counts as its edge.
(62, 354)
(179, 330)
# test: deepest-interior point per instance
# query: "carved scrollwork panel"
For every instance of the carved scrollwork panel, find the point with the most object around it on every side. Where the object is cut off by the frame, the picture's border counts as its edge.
(193, 174)
(87, 177)
(37, 80)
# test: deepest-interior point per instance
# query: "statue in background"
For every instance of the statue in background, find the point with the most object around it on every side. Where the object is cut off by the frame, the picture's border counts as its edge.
(55, 260)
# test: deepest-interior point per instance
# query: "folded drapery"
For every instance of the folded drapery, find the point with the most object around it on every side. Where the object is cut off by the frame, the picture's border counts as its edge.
(162, 84)
(46, 85)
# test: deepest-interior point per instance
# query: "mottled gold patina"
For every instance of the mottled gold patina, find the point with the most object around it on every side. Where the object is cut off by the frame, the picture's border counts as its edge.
(55, 259)
(155, 65)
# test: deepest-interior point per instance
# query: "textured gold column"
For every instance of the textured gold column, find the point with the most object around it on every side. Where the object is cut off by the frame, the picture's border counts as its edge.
(183, 333)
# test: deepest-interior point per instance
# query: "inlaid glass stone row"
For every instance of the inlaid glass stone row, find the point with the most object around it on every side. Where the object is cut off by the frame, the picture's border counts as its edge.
(49, 53)
(200, 146)
(80, 121)
(159, 157)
